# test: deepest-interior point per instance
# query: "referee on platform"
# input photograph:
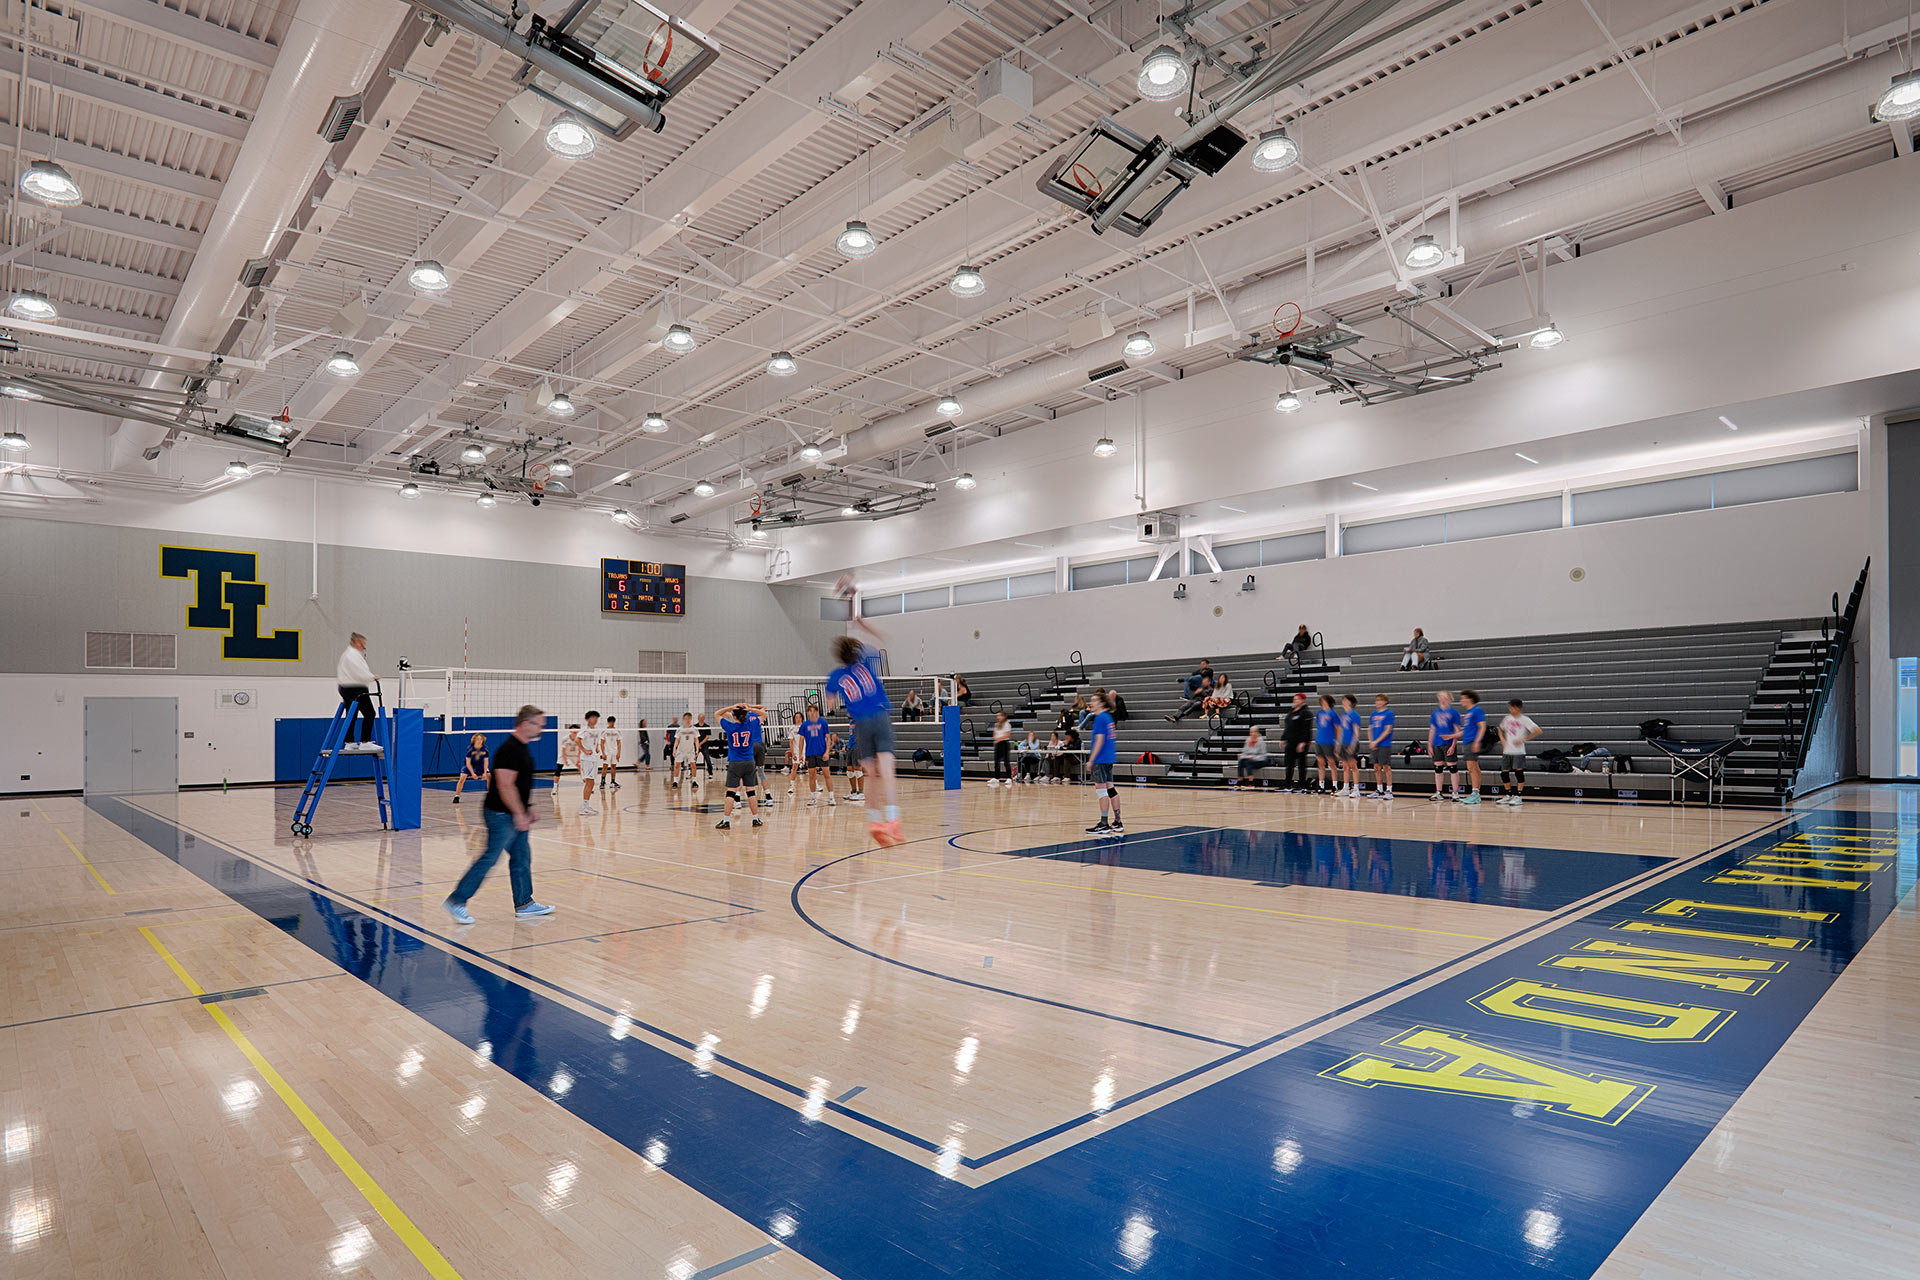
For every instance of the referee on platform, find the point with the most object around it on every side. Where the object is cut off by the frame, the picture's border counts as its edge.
(356, 680)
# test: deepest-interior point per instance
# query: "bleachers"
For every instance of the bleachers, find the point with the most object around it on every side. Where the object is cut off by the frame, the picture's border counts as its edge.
(1712, 682)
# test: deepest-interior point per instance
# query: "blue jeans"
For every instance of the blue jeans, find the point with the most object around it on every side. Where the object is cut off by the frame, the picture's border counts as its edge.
(500, 835)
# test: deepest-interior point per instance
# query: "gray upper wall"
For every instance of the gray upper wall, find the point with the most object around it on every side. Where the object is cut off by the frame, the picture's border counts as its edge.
(60, 580)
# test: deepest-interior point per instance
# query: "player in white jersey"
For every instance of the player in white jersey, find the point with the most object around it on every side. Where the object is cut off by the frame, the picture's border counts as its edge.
(609, 758)
(686, 752)
(589, 762)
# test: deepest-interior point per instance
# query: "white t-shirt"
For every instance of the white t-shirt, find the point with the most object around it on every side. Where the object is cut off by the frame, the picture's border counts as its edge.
(686, 744)
(1003, 733)
(1513, 733)
(589, 744)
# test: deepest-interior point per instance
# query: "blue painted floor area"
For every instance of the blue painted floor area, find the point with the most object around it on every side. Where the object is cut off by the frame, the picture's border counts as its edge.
(1513, 1121)
(1455, 870)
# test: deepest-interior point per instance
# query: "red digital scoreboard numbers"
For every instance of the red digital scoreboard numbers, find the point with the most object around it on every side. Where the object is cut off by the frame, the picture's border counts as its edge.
(642, 586)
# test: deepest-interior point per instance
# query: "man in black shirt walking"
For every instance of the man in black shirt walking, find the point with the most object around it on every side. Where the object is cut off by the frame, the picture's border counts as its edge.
(1295, 733)
(509, 814)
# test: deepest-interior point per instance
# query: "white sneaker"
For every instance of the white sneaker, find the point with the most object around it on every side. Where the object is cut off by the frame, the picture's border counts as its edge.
(830, 802)
(533, 909)
(811, 802)
(993, 782)
(588, 811)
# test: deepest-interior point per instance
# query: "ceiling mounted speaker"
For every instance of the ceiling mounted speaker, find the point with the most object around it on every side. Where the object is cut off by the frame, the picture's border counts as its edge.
(931, 150)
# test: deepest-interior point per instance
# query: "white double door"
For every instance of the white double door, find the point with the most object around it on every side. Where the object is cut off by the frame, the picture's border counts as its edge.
(133, 746)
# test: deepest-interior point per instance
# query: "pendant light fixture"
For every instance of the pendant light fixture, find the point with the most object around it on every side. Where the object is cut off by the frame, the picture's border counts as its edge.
(965, 480)
(409, 490)
(238, 470)
(782, 364)
(1424, 254)
(560, 467)
(947, 407)
(679, 339)
(31, 304)
(1139, 345)
(561, 406)
(967, 282)
(810, 451)
(704, 489)
(857, 241)
(1164, 74)
(429, 276)
(341, 364)
(13, 442)
(1104, 447)
(654, 423)
(569, 138)
(486, 500)
(1275, 151)
(45, 182)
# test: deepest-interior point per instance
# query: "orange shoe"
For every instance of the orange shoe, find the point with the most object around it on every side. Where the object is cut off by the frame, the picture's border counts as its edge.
(885, 833)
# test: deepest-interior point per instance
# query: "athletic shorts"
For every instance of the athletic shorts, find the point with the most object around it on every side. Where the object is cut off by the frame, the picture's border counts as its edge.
(1324, 751)
(1382, 754)
(1445, 753)
(816, 762)
(1100, 774)
(1516, 761)
(743, 773)
(1348, 751)
(873, 736)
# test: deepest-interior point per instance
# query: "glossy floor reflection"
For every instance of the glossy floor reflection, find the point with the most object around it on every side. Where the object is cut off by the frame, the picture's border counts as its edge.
(993, 1052)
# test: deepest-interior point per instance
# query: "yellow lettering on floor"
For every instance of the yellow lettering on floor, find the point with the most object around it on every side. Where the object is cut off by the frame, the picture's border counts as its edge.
(1757, 939)
(1593, 1011)
(1716, 973)
(1737, 876)
(1458, 1064)
(1687, 906)
(1814, 864)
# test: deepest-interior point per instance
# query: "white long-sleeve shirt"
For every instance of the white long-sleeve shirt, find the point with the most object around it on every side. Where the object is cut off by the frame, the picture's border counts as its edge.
(353, 669)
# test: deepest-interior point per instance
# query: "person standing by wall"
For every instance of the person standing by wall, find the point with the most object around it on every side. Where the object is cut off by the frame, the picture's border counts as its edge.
(509, 816)
(357, 682)
(1295, 735)
(644, 761)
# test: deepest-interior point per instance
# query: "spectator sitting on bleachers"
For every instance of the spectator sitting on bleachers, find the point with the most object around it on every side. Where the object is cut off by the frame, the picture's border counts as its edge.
(1117, 706)
(1253, 755)
(962, 696)
(1417, 654)
(1195, 699)
(1222, 696)
(913, 708)
(1030, 757)
(1203, 674)
(1056, 764)
(1296, 649)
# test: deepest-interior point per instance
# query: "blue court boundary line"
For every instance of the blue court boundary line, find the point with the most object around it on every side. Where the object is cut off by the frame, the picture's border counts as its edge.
(426, 935)
(1669, 867)
(970, 1162)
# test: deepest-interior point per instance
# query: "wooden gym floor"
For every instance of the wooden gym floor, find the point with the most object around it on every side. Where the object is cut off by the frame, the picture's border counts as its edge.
(1258, 1036)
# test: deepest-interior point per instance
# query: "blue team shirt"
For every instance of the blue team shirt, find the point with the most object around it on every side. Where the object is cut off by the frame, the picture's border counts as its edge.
(1103, 729)
(858, 686)
(741, 736)
(1378, 724)
(1470, 721)
(1325, 724)
(1444, 722)
(814, 734)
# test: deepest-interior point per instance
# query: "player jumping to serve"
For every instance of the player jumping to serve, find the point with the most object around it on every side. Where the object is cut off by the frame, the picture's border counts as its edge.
(856, 683)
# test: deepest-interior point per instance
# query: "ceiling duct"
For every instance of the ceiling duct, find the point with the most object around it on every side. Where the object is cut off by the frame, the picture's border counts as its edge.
(254, 270)
(342, 114)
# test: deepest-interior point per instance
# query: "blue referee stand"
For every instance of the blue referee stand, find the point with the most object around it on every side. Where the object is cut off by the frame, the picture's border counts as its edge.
(950, 746)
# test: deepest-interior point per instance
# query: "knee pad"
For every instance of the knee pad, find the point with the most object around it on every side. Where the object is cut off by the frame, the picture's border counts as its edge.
(733, 797)
(1520, 776)
(1113, 792)
(1506, 775)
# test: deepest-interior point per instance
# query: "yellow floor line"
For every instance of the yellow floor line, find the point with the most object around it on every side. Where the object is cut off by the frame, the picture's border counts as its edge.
(383, 1204)
(91, 869)
(1201, 902)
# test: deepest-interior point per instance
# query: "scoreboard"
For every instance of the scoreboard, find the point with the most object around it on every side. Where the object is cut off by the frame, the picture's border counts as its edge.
(642, 586)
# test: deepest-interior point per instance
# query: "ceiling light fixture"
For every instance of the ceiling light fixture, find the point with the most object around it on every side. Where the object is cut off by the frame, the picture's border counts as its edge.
(857, 241)
(679, 339)
(568, 138)
(1275, 151)
(429, 276)
(13, 442)
(1288, 402)
(654, 423)
(1139, 345)
(486, 500)
(1524, 458)
(1164, 74)
(848, 511)
(1901, 101)
(1369, 488)
(1424, 254)
(704, 489)
(782, 364)
(1104, 447)
(965, 480)
(47, 183)
(561, 406)
(409, 490)
(947, 407)
(238, 470)
(811, 451)
(967, 282)
(1729, 423)
(31, 304)
(341, 364)
(621, 515)
(14, 391)
(560, 467)
(473, 452)
(1546, 338)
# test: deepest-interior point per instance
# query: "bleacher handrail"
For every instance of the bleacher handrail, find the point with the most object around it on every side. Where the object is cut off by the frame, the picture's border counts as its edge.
(1837, 642)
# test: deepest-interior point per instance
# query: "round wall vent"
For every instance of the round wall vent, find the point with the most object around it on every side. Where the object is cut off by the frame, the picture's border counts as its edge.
(976, 635)
(1218, 612)
(1577, 574)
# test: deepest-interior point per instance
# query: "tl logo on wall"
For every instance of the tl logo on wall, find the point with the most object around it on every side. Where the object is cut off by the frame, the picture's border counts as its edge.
(228, 596)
